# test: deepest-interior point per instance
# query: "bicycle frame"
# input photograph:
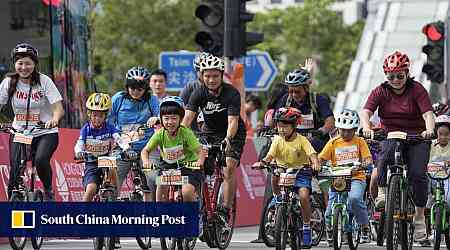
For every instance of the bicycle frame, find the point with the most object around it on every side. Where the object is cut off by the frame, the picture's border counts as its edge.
(439, 197)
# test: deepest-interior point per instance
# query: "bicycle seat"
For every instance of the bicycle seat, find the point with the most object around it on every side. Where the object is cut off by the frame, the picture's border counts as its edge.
(397, 135)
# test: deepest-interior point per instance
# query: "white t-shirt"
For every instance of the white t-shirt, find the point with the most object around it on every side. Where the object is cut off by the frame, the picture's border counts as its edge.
(42, 96)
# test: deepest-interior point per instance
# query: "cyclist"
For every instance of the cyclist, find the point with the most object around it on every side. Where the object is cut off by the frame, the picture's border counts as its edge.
(403, 105)
(177, 144)
(97, 137)
(131, 109)
(346, 149)
(281, 151)
(220, 104)
(34, 99)
(157, 83)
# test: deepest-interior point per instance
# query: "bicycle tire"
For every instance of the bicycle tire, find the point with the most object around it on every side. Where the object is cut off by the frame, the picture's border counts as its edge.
(317, 225)
(407, 224)
(143, 242)
(338, 228)
(189, 244)
(99, 243)
(447, 239)
(22, 241)
(267, 231)
(437, 227)
(354, 236)
(281, 227)
(392, 200)
(36, 242)
(295, 237)
(223, 237)
(109, 243)
(380, 230)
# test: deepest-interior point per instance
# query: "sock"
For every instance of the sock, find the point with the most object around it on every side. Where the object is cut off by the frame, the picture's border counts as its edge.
(306, 226)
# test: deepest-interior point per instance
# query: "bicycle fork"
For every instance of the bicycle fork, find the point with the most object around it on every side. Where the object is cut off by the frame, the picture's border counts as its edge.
(440, 202)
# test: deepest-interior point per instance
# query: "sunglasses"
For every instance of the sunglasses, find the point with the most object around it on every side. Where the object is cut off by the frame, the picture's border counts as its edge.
(399, 76)
(292, 91)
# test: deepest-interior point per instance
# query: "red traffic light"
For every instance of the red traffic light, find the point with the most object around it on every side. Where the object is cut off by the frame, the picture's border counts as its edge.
(434, 31)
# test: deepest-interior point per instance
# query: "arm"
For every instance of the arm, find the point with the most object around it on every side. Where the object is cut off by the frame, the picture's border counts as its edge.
(365, 118)
(233, 122)
(188, 118)
(329, 125)
(58, 114)
(429, 120)
(315, 162)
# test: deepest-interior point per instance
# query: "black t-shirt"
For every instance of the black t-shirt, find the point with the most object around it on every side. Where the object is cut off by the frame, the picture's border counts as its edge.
(217, 109)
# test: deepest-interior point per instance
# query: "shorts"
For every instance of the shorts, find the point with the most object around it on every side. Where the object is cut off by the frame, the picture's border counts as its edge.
(237, 148)
(92, 174)
(124, 167)
(195, 177)
(303, 180)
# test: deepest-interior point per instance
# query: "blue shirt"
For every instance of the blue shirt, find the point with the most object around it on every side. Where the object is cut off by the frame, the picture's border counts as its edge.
(128, 114)
(97, 141)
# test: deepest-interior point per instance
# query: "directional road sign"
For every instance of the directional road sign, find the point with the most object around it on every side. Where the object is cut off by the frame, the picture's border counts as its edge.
(260, 70)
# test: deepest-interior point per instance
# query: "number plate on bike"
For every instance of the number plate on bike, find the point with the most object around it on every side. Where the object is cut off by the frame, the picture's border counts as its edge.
(23, 139)
(172, 177)
(107, 162)
(437, 170)
(287, 179)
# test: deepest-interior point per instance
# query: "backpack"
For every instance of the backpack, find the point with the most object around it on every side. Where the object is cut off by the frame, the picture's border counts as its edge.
(122, 95)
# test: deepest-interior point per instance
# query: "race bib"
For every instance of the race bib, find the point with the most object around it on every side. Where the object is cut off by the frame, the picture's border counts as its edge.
(98, 147)
(107, 162)
(307, 122)
(33, 117)
(173, 154)
(346, 155)
(23, 139)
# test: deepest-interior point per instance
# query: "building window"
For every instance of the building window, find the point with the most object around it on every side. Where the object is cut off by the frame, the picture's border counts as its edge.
(275, 1)
(299, 1)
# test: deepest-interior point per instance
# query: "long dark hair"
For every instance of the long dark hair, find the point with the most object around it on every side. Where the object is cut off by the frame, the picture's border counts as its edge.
(14, 76)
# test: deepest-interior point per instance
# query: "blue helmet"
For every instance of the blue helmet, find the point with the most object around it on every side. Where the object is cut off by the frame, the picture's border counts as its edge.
(171, 101)
(297, 77)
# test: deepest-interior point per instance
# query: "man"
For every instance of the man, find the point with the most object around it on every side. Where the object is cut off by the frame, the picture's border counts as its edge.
(252, 103)
(220, 104)
(158, 80)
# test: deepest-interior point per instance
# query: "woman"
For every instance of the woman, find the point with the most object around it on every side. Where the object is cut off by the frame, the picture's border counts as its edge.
(403, 105)
(34, 99)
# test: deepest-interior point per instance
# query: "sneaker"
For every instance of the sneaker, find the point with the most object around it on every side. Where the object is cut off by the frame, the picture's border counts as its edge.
(365, 236)
(381, 199)
(223, 213)
(420, 230)
(117, 243)
(48, 195)
(329, 236)
(306, 238)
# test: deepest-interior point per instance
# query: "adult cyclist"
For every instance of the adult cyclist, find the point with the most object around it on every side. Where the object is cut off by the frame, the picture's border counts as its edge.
(403, 105)
(220, 104)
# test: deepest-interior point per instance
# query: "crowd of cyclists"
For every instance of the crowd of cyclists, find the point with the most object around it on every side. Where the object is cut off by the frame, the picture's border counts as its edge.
(165, 131)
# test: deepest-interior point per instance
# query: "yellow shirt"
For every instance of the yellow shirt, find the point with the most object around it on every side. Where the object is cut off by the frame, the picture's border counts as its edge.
(341, 152)
(439, 153)
(291, 154)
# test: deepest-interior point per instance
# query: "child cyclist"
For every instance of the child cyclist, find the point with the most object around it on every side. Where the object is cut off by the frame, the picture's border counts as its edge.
(177, 144)
(344, 149)
(98, 138)
(292, 150)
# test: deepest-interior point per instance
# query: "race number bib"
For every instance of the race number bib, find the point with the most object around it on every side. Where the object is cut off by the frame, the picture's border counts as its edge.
(346, 155)
(307, 122)
(23, 139)
(98, 147)
(173, 154)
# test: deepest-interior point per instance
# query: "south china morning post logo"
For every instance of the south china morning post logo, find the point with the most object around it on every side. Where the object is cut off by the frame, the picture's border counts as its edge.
(23, 219)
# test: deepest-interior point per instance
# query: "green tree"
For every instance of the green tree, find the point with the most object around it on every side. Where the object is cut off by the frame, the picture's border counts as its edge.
(130, 33)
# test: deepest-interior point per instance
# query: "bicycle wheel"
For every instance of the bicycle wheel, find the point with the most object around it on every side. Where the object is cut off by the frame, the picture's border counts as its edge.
(437, 226)
(281, 227)
(392, 213)
(354, 236)
(317, 225)
(143, 242)
(99, 243)
(17, 243)
(224, 233)
(338, 228)
(380, 230)
(295, 237)
(36, 242)
(189, 243)
(407, 224)
(268, 224)
(109, 242)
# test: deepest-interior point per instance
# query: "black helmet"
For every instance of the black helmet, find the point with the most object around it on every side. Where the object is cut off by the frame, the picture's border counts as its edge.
(24, 49)
(137, 77)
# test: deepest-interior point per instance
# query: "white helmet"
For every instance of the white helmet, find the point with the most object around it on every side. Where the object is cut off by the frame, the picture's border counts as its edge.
(212, 62)
(200, 117)
(442, 120)
(347, 119)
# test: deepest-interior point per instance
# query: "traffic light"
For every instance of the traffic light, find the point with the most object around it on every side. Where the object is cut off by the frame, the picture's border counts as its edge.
(236, 39)
(434, 49)
(210, 38)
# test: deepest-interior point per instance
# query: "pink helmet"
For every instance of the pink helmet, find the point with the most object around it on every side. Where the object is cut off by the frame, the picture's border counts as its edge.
(396, 62)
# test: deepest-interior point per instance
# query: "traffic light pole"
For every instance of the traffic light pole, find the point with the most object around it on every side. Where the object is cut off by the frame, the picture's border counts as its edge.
(446, 92)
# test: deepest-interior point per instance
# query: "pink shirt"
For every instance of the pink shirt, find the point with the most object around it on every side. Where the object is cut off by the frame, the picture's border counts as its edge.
(400, 112)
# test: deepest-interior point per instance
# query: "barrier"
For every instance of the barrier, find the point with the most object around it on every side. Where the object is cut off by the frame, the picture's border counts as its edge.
(67, 177)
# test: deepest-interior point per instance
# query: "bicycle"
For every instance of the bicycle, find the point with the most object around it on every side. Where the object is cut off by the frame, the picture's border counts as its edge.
(174, 180)
(439, 172)
(216, 232)
(20, 191)
(106, 192)
(342, 222)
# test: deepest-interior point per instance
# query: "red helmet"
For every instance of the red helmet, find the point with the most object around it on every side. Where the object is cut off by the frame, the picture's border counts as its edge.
(396, 62)
(288, 115)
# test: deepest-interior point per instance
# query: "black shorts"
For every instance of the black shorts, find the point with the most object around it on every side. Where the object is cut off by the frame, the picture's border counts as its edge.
(237, 147)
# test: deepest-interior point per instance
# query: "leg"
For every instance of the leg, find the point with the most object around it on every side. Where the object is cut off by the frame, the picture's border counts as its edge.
(161, 193)
(15, 157)
(373, 186)
(188, 191)
(275, 187)
(123, 167)
(356, 202)
(305, 204)
(45, 147)
(91, 189)
(229, 182)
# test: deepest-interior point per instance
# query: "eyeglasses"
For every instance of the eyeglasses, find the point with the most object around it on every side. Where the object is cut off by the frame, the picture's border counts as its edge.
(399, 76)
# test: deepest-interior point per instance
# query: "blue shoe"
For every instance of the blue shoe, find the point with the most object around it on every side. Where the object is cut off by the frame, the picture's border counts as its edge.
(306, 239)
(274, 201)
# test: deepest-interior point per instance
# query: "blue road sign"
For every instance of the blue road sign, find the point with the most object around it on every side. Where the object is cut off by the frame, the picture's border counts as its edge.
(259, 72)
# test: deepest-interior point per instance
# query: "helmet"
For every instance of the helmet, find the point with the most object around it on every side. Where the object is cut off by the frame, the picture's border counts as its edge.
(200, 117)
(396, 62)
(172, 101)
(138, 76)
(98, 102)
(212, 62)
(198, 58)
(440, 109)
(24, 49)
(297, 77)
(288, 115)
(347, 119)
(442, 120)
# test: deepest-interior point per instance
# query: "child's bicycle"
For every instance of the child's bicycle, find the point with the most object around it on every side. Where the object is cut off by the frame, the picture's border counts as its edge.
(106, 192)
(439, 172)
(342, 223)
(22, 192)
(174, 180)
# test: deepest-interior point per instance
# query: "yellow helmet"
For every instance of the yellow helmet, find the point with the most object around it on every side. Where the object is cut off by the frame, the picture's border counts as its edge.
(98, 102)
